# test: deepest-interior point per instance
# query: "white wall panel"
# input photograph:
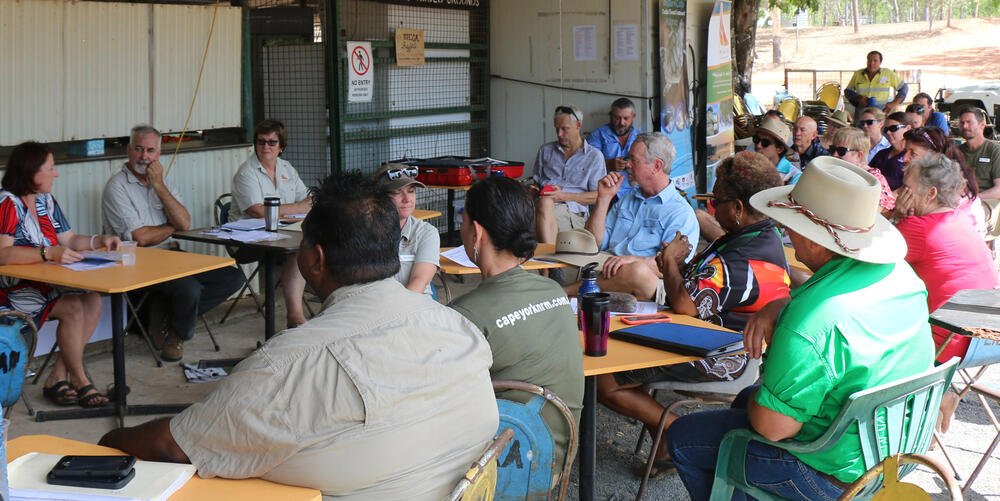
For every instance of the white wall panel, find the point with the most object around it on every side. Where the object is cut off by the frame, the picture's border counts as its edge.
(107, 69)
(179, 36)
(31, 61)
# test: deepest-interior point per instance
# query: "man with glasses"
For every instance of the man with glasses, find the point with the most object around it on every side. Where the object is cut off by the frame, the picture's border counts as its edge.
(770, 140)
(805, 141)
(930, 117)
(140, 204)
(615, 139)
(871, 124)
(872, 85)
(567, 171)
(981, 154)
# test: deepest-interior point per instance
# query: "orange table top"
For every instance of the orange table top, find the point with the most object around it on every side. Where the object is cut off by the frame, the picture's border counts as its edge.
(426, 214)
(794, 263)
(625, 356)
(196, 489)
(152, 266)
(450, 267)
(443, 187)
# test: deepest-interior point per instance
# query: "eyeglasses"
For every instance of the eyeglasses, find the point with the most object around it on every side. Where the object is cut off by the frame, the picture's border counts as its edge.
(918, 108)
(715, 202)
(840, 150)
(893, 128)
(267, 142)
(868, 122)
(398, 172)
(762, 141)
(568, 111)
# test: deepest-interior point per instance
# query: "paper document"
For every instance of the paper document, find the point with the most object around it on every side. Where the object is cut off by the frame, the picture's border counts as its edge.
(89, 264)
(206, 375)
(641, 308)
(245, 225)
(296, 226)
(102, 254)
(153, 481)
(294, 216)
(459, 256)
(256, 236)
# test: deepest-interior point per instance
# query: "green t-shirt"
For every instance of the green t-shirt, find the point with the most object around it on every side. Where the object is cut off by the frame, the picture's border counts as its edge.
(852, 326)
(984, 161)
(529, 324)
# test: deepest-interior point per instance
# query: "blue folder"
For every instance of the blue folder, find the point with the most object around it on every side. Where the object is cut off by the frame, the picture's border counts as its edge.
(683, 339)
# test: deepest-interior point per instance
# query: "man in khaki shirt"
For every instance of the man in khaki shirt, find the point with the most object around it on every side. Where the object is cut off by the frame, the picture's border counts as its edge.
(364, 401)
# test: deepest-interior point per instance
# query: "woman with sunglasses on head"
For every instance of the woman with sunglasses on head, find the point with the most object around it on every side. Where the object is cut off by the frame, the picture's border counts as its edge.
(890, 160)
(33, 229)
(851, 144)
(265, 175)
(924, 140)
(541, 347)
(771, 140)
(419, 243)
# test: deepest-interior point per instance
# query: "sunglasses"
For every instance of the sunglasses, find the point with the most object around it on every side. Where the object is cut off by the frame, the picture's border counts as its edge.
(868, 122)
(267, 142)
(762, 141)
(840, 150)
(893, 128)
(568, 111)
(398, 172)
(715, 202)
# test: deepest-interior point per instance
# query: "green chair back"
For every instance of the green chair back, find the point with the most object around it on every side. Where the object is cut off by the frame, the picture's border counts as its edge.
(894, 418)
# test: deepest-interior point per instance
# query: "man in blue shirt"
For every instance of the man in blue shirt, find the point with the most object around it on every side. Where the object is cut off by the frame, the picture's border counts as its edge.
(638, 226)
(615, 139)
(931, 118)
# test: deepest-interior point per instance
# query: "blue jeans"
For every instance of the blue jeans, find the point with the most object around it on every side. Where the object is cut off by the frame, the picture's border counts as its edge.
(693, 442)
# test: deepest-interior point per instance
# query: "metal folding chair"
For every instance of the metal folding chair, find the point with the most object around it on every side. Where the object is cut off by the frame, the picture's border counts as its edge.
(480, 482)
(221, 207)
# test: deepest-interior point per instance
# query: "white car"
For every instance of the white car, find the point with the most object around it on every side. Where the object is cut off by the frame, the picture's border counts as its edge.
(984, 95)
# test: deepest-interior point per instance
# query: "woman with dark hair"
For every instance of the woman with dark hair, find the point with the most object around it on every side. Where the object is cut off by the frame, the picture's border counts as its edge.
(890, 160)
(265, 175)
(33, 230)
(924, 140)
(541, 347)
(735, 276)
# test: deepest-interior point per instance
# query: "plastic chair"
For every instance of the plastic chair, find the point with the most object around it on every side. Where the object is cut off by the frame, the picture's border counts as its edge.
(791, 108)
(713, 393)
(222, 205)
(894, 490)
(906, 409)
(526, 471)
(18, 336)
(480, 482)
(831, 96)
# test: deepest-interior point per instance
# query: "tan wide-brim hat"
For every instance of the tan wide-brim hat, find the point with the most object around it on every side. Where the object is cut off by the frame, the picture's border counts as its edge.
(777, 130)
(839, 117)
(841, 194)
(577, 247)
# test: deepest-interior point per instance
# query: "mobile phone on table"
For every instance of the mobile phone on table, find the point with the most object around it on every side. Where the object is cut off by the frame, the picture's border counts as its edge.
(92, 466)
(98, 482)
(646, 319)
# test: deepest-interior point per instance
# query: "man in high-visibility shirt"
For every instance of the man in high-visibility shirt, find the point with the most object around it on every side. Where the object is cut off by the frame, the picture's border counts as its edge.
(873, 85)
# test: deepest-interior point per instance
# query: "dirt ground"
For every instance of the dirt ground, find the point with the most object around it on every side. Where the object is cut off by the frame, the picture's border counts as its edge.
(965, 53)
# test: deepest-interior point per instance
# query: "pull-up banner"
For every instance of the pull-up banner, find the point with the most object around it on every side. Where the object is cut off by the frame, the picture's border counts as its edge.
(675, 119)
(444, 4)
(719, 115)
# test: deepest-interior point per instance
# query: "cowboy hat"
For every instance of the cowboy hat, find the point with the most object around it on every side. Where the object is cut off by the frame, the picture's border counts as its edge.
(839, 117)
(835, 204)
(777, 129)
(576, 247)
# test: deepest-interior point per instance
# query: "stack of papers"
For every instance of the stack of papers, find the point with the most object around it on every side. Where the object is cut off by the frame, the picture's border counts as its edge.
(257, 236)
(206, 375)
(153, 481)
(245, 225)
(93, 260)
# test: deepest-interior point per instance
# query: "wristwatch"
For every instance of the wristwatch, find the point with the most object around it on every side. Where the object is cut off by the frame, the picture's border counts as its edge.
(41, 250)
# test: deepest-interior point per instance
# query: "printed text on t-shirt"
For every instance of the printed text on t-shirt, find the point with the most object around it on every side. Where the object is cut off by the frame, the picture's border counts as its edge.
(523, 313)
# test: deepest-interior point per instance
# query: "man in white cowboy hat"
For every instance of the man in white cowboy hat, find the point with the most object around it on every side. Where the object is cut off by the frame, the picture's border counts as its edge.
(859, 322)
(631, 233)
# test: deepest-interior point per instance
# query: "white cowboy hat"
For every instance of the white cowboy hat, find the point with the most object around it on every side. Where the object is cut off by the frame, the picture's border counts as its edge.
(835, 204)
(577, 247)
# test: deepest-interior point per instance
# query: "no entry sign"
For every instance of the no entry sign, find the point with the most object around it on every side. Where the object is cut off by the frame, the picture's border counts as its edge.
(360, 72)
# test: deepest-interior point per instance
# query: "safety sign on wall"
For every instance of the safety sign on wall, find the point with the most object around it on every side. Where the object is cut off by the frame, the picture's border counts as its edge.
(360, 75)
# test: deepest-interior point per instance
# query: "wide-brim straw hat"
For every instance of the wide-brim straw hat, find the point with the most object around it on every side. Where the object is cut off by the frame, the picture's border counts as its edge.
(577, 247)
(838, 117)
(777, 129)
(835, 200)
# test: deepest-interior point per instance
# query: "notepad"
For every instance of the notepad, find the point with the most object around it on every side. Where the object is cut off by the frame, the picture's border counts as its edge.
(684, 339)
(153, 481)
(245, 225)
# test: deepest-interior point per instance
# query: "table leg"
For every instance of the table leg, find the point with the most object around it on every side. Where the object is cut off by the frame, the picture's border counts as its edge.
(451, 217)
(588, 444)
(269, 283)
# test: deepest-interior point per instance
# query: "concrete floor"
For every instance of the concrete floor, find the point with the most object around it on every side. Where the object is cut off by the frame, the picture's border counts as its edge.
(969, 437)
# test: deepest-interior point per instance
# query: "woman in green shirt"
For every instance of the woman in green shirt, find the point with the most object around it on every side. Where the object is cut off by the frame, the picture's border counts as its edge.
(526, 318)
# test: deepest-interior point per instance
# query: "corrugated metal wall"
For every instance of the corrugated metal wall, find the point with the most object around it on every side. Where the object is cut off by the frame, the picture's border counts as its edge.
(79, 70)
(199, 176)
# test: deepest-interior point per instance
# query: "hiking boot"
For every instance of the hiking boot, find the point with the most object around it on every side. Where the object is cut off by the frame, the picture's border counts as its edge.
(173, 347)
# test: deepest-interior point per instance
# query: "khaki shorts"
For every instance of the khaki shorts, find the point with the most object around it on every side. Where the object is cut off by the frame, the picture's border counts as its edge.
(568, 220)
